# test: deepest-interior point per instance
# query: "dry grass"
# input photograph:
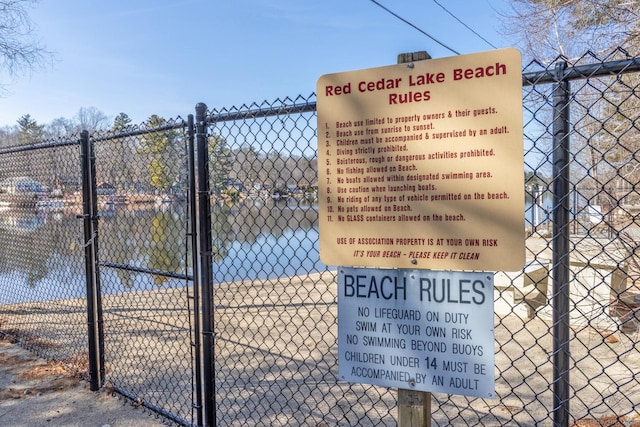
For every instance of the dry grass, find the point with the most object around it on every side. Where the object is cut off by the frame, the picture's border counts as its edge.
(610, 421)
(27, 375)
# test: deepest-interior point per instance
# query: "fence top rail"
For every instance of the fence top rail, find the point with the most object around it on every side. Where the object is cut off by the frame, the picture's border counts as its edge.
(582, 71)
(97, 136)
(107, 135)
(261, 112)
(39, 145)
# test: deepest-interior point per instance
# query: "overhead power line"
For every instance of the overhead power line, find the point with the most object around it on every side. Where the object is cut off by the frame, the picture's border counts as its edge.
(465, 25)
(417, 28)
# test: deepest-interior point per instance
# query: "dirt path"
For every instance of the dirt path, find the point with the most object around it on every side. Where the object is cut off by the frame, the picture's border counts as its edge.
(34, 393)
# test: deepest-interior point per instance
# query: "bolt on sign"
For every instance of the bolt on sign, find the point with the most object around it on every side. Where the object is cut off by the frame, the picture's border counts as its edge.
(421, 164)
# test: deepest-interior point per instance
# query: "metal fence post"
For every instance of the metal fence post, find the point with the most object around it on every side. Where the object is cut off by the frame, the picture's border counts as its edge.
(193, 226)
(560, 269)
(96, 259)
(206, 276)
(89, 203)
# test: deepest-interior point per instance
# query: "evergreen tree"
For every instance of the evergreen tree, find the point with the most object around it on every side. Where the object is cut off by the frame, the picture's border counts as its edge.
(160, 149)
(29, 129)
(121, 165)
(219, 164)
(121, 124)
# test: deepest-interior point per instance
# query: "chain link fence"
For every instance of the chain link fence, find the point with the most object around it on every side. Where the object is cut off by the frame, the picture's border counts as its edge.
(123, 287)
(275, 340)
(256, 344)
(590, 173)
(42, 278)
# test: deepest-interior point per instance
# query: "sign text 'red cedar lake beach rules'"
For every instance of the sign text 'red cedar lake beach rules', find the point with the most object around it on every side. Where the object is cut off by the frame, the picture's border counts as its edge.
(421, 164)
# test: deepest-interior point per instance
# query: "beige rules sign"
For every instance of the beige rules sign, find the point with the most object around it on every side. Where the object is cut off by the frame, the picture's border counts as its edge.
(421, 164)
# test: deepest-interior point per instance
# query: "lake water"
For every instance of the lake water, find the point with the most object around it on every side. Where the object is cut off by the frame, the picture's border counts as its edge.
(41, 255)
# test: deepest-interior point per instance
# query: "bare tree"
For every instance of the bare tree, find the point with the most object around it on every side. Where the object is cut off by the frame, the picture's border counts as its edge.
(91, 119)
(19, 49)
(59, 128)
(545, 29)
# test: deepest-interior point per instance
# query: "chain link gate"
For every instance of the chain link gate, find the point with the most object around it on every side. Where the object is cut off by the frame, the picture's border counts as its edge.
(96, 267)
(149, 311)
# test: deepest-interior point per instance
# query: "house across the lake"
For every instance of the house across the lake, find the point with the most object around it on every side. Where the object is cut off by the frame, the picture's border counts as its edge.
(21, 191)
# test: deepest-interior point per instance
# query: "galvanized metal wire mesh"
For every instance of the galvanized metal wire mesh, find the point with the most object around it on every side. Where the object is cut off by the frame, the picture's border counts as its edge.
(604, 297)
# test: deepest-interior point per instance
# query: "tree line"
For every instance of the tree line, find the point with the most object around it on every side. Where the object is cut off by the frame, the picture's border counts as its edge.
(151, 161)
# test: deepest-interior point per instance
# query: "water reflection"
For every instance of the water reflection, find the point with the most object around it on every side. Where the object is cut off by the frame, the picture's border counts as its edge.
(37, 255)
(161, 253)
(255, 239)
(21, 221)
(265, 239)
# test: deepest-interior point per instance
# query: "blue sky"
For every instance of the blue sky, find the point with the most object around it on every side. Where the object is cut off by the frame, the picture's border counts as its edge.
(145, 57)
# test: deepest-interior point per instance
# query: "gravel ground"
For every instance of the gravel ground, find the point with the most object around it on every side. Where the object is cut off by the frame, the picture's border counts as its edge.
(35, 393)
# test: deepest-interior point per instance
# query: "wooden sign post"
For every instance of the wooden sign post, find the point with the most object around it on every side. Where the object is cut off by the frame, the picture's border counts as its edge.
(414, 407)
